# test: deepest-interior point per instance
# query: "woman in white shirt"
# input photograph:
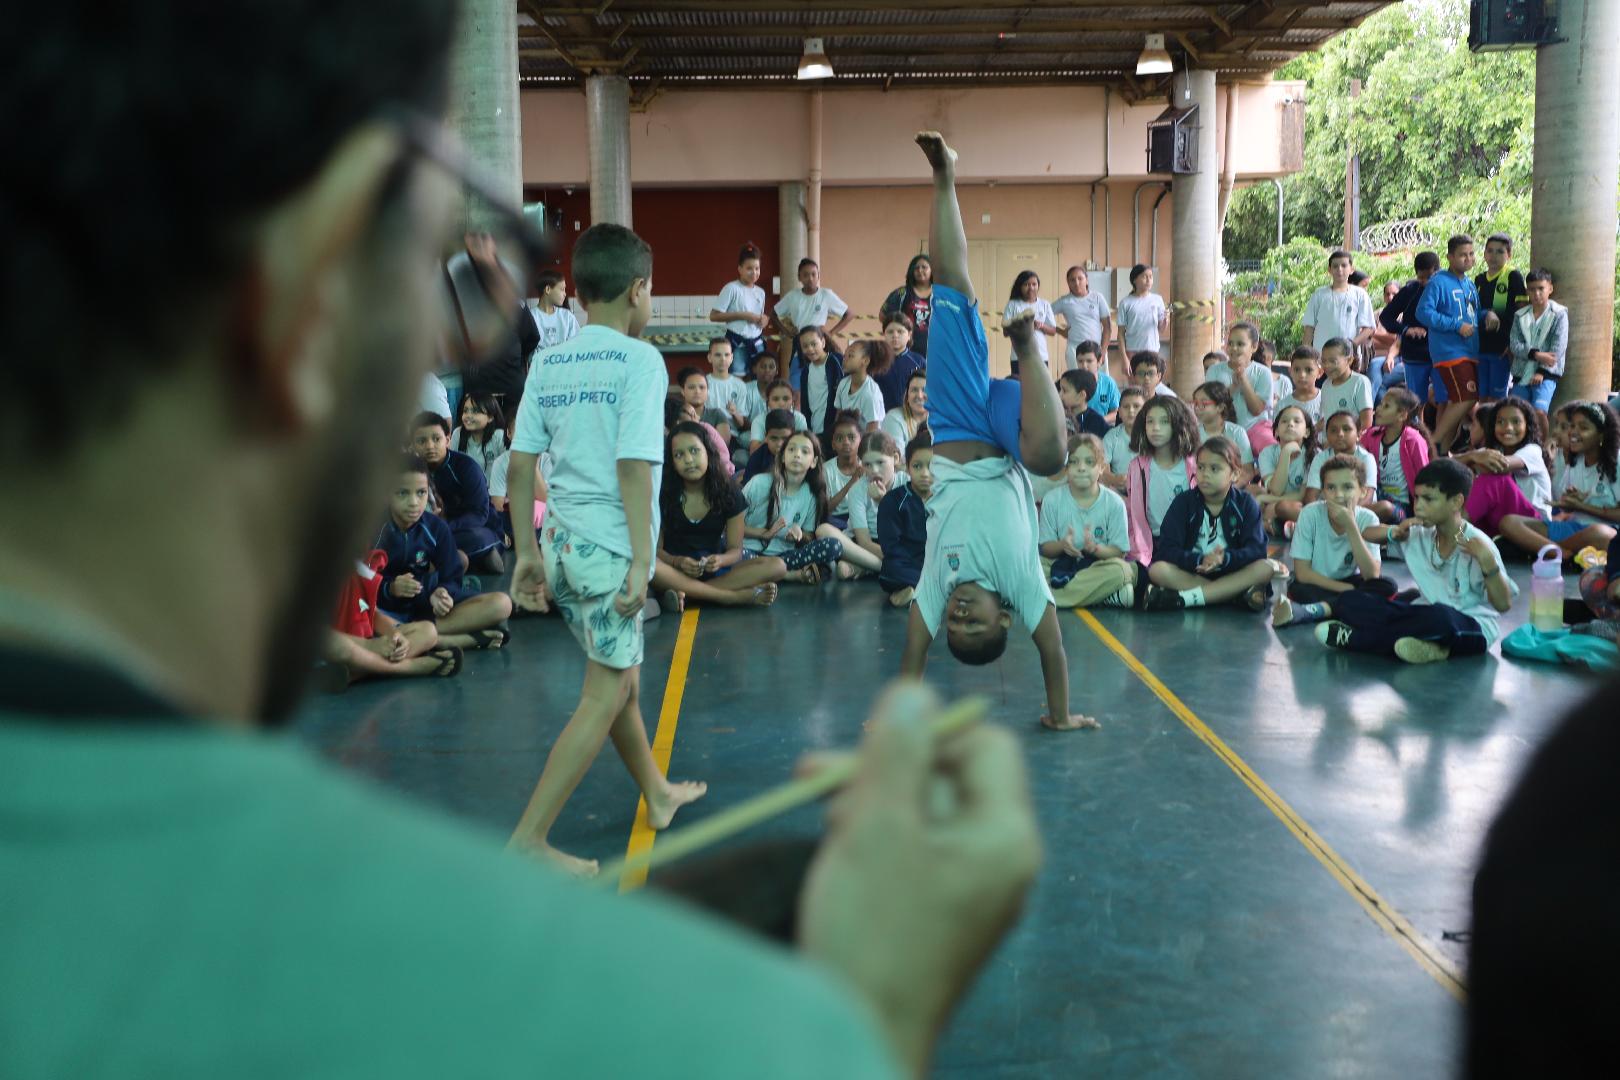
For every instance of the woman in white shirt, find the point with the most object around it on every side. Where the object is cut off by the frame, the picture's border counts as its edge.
(1142, 314)
(1026, 296)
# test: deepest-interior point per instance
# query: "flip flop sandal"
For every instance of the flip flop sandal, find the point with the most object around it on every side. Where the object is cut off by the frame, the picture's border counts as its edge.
(449, 662)
(494, 638)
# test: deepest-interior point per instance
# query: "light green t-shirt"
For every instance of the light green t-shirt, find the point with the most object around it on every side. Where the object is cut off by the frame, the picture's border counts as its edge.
(180, 902)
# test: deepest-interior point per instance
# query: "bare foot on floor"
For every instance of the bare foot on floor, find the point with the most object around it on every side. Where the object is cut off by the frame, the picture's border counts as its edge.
(1077, 722)
(764, 595)
(940, 156)
(661, 810)
(572, 865)
(901, 597)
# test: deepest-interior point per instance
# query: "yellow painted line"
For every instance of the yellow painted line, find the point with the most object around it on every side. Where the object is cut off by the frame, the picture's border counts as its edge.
(669, 715)
(1421, 949)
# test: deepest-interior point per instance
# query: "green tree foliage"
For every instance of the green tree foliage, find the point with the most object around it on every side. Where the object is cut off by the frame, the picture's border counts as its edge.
(1444, 135)
(1441, 132)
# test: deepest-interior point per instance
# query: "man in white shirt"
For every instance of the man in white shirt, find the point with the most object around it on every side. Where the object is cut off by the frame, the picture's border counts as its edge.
(1338, 309)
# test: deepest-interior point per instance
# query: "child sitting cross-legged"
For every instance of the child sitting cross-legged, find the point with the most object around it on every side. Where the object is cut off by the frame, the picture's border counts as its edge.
(1456, 567)
(463, 493)
(1084, 536)
(1341, 434)
(883, 468)
(364, 643)
(784, 508)
(902, 523)
(1401, 444)
(1211, 547)
(1164, 439)
(1283, 469)
(421, 579)
(1587, 510)
(1331, 555)
(700, 540)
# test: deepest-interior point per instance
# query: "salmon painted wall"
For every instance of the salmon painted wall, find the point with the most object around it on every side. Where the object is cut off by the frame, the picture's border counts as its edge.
(1012, 135)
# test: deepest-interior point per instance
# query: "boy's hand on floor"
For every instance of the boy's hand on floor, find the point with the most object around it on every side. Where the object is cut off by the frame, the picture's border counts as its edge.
(924, 868)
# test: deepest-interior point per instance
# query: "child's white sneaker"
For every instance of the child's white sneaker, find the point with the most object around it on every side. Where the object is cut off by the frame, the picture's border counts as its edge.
(1417, 651)
(1334, 634)
(1125, 598)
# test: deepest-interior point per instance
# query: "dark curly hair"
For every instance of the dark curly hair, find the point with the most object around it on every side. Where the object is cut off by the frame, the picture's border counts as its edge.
(1535, 427)
(1185, 434)
(1604, 418)
(717, 489)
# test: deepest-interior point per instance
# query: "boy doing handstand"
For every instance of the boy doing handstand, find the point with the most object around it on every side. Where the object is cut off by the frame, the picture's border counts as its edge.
(982, 568)
(595, 402)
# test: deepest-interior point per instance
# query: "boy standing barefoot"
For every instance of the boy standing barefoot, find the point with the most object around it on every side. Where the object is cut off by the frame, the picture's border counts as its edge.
(596, 403)
(982, 568)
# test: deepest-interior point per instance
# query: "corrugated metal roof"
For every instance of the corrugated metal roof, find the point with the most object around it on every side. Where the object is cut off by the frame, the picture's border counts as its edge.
(711, 40)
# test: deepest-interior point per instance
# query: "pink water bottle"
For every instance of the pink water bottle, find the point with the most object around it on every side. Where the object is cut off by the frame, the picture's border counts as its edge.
(1547, 589)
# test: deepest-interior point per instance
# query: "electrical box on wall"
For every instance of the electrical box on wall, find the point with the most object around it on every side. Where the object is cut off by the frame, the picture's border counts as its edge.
(1172, 145)
(1498, 25)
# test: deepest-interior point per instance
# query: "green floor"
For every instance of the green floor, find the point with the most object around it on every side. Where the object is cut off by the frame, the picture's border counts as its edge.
(1178, 928)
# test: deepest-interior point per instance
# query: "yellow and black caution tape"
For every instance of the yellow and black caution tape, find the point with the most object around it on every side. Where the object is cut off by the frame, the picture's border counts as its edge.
(1201, 311)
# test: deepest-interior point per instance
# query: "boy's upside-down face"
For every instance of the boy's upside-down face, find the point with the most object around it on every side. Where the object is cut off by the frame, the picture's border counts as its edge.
(974, 618)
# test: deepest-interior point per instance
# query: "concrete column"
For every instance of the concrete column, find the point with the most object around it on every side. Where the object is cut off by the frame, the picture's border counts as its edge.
(484, 97)
(1195, 240)
(1577, 157)
(607, 129)
(792, 226)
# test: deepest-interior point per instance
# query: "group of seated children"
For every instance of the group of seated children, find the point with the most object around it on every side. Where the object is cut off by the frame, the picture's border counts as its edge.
(408, 609)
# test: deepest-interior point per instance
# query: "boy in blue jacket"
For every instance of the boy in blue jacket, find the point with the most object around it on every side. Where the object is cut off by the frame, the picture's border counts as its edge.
(463, 494)
(1449, 307)
(1211, 547)
(422, 578)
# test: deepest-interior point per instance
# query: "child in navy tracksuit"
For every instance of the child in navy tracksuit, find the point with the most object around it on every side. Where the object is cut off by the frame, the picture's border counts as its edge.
(1211, 546)
(902, 523)
(463, 494)
(422, 579)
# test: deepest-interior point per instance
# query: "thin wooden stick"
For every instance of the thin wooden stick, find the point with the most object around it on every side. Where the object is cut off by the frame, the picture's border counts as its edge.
(779, 800)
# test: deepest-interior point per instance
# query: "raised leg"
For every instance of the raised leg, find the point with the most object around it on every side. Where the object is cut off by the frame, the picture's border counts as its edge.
(947, 243)
(1042, 433)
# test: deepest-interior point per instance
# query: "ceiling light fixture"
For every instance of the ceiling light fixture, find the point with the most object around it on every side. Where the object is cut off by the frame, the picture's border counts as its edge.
(1153, 61)
(815, 65)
